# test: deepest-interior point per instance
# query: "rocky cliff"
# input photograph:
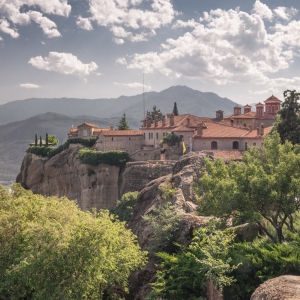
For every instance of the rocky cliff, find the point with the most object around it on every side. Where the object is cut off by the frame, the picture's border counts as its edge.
(91, 186)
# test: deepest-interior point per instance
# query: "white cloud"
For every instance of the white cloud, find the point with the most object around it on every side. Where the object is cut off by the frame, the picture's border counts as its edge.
(121, 61)
(5, 27)
(133, 85)
(48, 26)
(262, 10)
(84, 23)
(118, 41)
(225, 47)
(65, 63)
(117, 14)
(285, 13)
(13, 11)
(29, 86)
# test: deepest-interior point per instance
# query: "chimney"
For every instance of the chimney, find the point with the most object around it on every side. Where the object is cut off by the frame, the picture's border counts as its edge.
(188, 122)
(219, 115)
(247, 109)
(156, 120)
(111, 127)
(237, 110)
(199, 129)
(163, 120)
(172, 119)
(261, 129)
(149, 121)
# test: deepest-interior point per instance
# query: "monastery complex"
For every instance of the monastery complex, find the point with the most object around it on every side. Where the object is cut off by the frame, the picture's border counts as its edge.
(233, 133)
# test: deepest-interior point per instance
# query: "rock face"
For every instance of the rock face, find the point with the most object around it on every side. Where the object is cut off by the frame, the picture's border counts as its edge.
(91, 186)
(281, 288)
(184, 173)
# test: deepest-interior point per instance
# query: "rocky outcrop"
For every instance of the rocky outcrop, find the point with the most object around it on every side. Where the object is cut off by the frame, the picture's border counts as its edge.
(184, 173)
(91, 186)
(281, 288)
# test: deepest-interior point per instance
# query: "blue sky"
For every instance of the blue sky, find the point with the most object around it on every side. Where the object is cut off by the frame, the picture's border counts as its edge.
(244, 50)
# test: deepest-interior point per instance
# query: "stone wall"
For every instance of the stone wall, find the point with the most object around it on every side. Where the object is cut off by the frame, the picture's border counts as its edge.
(85, 131)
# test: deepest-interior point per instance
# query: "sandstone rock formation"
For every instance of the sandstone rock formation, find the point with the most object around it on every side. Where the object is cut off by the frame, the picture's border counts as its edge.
(91, 186)
(184, 173)
(285, 287)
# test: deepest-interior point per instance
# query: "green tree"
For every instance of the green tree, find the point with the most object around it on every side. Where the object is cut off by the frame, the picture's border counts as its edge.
(53, 140)
(184, 275)
(175, 110)
(171, 139)
(124, 207)
(265, 186)
(289, 124)
(50, 249)
(35, 140)
(123, 125)
(47, 142)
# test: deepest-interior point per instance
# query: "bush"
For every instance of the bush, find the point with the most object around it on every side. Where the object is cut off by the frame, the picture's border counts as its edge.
(171, 139)
(94, 157)
(124, 208)
(50, 152)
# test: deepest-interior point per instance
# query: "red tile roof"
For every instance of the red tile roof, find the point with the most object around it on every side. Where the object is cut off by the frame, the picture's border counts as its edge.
(87, 124)
(273, 99)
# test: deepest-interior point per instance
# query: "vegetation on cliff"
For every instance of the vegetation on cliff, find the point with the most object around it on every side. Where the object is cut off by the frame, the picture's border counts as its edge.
(94, 157)
(52, 250)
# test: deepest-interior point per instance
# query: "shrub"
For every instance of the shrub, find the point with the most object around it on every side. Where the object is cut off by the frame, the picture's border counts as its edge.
(94, 157)
(171, 139)
(124, 208)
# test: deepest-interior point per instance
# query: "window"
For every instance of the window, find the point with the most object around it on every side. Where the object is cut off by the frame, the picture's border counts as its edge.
(254, 144)
(84, 132)
(246, 146)
(214, 145)
(112, 138)
(129, 138)
(157, 135)
(144, 135)
(164, 134)
(149, 135)
(235, 145)
(181, 137)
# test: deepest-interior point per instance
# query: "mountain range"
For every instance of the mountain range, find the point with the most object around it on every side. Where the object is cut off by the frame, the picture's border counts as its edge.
(188, 101)
(21, 120)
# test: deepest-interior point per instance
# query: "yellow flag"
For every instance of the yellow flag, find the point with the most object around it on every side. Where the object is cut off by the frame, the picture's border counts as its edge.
(183, 148)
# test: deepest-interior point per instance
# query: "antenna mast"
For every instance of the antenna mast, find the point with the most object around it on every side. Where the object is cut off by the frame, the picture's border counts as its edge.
(144, 103)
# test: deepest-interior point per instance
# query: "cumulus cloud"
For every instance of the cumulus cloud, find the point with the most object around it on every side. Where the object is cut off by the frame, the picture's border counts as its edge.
(127, 20)
(226, 47)
(285, 13)
(121, 61)
(29, 86)
(262, 10)
(133, 85)
(84, 23)
(5, 27)
(65, 63)
(14, 12)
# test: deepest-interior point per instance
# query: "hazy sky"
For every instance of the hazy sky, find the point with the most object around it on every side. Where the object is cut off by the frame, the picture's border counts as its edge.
(245, 50)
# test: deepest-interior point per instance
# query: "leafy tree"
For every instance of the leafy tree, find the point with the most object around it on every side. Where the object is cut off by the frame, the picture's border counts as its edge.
(289, 124)
(41, 142)
(175, 110)
(53, 140)
(52, 250)
(47, 143)
(171, 139)
(164, 221)
(124, 208)
(35, 140)
(265, 186)
(184, 275)
(123, 125)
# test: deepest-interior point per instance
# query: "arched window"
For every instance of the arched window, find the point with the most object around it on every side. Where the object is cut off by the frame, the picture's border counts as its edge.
(214, 145)
(84, 132)
(235, 145)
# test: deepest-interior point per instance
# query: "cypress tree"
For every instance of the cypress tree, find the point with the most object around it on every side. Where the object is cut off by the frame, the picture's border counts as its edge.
(175, 110)
(123, 125)
(35, 141)
(46, 139)
(41, 142)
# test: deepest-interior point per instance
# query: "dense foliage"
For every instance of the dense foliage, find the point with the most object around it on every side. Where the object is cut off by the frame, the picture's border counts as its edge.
(124, 207)
(94, 157)
(50, 152)
(288, 126)
(265, 186)
(184, 275)
(171, 139)
(53, 140)
(123, 125)
(52, 250)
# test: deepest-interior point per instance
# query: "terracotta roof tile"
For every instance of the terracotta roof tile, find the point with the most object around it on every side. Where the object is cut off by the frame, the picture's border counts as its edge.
(122, 133)
(87, 124)
(272, 99)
